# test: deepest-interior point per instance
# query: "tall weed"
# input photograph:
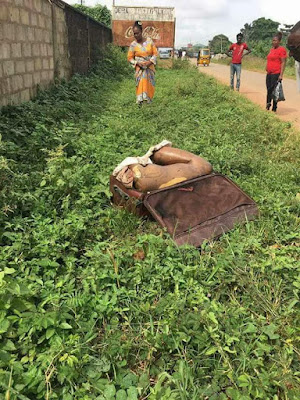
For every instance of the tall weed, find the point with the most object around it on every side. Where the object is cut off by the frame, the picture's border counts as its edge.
(98, 304)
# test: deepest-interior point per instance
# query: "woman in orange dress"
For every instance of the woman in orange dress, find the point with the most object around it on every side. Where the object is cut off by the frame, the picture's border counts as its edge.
(142, 54)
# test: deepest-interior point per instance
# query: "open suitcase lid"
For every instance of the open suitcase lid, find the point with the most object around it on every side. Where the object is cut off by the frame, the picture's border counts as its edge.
(201, 208)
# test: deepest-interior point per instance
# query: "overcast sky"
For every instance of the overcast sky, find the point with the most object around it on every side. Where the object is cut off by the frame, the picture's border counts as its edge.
(197, 21)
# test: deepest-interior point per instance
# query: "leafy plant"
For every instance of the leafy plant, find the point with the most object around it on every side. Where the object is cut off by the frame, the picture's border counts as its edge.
(98, 12)
(98, 304)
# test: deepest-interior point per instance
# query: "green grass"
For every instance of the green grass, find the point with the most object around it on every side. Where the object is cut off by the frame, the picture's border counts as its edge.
(258, 64)
(98, 304)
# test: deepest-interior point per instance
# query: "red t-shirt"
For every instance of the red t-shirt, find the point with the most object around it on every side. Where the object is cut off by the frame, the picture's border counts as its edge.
(274, 60)
(237, 52)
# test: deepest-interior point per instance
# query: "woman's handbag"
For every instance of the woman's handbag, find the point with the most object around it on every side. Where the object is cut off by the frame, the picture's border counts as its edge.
(278, 92)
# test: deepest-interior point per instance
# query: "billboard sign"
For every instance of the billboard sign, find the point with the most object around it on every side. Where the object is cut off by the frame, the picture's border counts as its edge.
(158, 23)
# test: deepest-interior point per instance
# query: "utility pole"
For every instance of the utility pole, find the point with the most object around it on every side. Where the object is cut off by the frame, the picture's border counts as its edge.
(221, 45)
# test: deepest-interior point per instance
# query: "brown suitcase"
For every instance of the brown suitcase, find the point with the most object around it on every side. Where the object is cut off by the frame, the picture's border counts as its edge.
(192, 211)
(131, 199)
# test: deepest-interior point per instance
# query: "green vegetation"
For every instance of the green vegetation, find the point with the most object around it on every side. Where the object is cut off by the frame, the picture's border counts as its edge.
(219, 44)
(98, 304)
(99, 13)
(258, 64)
(260, 29)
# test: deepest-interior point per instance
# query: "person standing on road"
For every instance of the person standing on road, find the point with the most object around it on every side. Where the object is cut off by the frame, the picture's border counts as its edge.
(293, 44)
(276, 61)
(236, 51)
(142, 55)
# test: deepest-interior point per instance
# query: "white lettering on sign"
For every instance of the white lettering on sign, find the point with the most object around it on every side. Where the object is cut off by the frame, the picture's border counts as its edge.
(143, 13)
(149, 31)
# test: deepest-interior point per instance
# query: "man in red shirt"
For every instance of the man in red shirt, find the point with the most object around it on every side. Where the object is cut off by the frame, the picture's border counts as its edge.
(236, 51)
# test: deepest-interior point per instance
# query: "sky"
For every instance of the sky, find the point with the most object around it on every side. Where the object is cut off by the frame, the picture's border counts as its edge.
(198, 21)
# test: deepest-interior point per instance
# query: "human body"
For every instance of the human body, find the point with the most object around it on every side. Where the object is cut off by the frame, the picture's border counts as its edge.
(162, 166)
(236, 51)
(276, 61)
(170, 166)
(142, 55)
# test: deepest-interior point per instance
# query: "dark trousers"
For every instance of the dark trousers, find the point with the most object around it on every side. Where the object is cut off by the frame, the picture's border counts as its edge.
(271, 82)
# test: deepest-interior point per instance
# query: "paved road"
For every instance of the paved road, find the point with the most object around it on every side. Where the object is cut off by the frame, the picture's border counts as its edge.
(253, 86)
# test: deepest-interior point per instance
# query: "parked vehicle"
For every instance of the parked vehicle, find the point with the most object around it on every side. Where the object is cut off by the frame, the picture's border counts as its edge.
(164, 54)
(204, 57)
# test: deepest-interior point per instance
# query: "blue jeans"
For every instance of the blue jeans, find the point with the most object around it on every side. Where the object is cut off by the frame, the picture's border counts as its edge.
(235, 69)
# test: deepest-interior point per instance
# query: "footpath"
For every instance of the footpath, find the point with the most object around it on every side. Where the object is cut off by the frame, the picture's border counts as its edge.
(253, 86)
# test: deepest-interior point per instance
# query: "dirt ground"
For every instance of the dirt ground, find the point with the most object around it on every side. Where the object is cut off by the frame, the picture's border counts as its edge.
(253, 86)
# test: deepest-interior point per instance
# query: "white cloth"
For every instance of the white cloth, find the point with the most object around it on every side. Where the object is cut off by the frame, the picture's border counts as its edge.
(144, 160)
(297, 66)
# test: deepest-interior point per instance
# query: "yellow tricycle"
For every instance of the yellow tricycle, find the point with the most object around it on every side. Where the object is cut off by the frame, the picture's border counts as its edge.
(203, 57)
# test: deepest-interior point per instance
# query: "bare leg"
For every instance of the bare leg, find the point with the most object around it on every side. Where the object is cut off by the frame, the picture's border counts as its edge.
(170, 166)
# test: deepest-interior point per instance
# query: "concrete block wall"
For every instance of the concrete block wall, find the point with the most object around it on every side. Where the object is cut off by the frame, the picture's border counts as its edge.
(86, 39)
(35, 46)
(26, 49)
(61, 53)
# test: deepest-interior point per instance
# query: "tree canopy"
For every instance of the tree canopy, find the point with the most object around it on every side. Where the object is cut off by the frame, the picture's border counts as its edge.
(198, 46)
(98, 12)
(260, 29)
(219, 43)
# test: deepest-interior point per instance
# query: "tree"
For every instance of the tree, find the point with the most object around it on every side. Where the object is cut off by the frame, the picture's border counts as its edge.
(198, 46)
(219, 44)
(260, 29)
(246, 31)
(98, 12)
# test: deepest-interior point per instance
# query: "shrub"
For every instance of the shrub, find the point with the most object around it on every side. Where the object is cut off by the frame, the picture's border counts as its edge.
(97, 304)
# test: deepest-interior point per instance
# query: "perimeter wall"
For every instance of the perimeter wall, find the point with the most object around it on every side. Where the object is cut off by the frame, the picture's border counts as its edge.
(41, 40)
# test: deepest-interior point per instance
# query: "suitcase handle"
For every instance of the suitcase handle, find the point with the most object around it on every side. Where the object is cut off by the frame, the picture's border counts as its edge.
(121, 193)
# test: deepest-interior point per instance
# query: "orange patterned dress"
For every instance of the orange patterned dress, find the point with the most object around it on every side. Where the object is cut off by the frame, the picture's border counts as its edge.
(144, 77)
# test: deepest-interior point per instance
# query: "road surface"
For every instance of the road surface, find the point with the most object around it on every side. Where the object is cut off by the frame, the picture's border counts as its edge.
(253, 86)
